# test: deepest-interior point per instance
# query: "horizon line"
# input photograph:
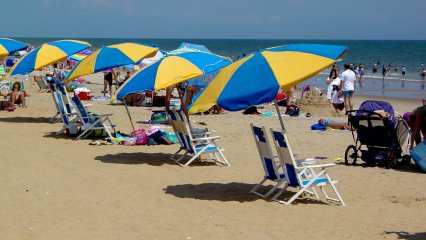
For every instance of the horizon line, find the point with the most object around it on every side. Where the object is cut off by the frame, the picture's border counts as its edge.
(166, 38)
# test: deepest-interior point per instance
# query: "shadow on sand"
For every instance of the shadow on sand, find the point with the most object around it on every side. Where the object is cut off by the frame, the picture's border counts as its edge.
(60, 136)
(26, 120)
(411, 168)
(225, 192)
(153, 159)
(407, 235)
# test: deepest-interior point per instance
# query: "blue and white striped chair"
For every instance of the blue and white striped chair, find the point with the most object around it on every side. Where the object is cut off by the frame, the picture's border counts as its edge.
(91, 122)
(69, 120)
(195, 146)
(302, 175)
(274, 170)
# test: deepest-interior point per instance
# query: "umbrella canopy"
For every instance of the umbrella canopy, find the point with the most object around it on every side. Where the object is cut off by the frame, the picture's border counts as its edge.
(9, 46)
(256, 78)
(80, 55)
(192, 46)
(47, 54)
(111, 56)
(171, 70)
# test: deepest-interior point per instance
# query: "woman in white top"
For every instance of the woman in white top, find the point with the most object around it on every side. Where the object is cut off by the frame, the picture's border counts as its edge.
(332, 79)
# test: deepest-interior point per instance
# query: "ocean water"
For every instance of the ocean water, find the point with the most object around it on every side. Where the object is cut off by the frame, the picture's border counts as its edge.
(411, 54)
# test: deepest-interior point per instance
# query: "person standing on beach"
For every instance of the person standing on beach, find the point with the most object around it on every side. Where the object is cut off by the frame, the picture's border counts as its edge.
(332, 79)
(347, 86)
(108, 77)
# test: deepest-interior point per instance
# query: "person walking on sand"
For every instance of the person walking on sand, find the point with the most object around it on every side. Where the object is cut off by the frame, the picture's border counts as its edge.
(347, 86)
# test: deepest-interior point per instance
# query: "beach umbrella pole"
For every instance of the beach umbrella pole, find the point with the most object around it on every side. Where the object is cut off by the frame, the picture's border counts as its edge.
(279, 115)
(128, 114)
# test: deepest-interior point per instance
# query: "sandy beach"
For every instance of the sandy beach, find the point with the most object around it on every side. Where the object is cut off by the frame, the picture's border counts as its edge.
(55, 187)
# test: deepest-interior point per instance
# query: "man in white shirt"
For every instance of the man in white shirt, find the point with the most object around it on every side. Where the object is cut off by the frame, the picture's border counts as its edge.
(347, 86)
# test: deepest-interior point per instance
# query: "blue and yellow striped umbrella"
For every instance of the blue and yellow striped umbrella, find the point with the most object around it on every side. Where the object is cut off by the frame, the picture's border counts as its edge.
(47, 54)
(171, 70)
(112, 56)
(9, 46)
(257, 78)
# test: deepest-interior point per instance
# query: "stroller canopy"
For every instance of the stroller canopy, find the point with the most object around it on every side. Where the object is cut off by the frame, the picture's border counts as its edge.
(371, 106)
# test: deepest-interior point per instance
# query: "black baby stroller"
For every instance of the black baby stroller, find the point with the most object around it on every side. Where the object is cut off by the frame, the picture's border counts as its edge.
(380, 136)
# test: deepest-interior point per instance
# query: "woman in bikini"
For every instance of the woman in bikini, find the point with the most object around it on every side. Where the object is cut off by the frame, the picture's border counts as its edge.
(17, 96)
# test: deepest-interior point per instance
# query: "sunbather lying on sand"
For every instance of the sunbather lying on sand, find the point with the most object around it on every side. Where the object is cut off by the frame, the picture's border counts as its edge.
(335, 124)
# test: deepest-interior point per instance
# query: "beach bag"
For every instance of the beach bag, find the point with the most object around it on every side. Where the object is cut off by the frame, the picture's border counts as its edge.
(292, 110)
(141, 137)
(159, 137)
(158, 117)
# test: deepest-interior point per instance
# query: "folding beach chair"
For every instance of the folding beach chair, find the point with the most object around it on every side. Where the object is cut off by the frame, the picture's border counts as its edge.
(90, 121)
(302, 175)
(69, 120)
(274, 169)
(43, 87)
(195, 146)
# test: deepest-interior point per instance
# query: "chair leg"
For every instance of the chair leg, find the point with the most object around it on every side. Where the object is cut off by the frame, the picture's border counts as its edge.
(223, 157)
(332, 184)
(194, 157)
(254, 190)
(175, 154)
(274, 188)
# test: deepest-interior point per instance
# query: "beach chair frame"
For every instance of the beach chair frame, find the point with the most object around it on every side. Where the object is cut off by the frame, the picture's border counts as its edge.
(272, 165)
(303, 175)
(90, 121)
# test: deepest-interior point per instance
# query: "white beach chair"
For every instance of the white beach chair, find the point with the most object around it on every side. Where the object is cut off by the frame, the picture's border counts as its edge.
(273, 167)
(302, 175)
(195, 146)
(90, 121)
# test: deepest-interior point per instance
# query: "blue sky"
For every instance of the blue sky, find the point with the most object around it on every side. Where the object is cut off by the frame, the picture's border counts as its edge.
(259, 19)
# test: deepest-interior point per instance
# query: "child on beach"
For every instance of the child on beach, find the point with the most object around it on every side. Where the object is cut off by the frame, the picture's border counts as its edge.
(337, 99)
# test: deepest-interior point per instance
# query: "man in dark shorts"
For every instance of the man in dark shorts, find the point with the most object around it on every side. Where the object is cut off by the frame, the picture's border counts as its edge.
(417, 123)
(108, 77)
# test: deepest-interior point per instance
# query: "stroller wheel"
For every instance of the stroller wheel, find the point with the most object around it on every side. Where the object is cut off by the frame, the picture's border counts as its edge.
(351, 155)
(406, 159)
(391, 159)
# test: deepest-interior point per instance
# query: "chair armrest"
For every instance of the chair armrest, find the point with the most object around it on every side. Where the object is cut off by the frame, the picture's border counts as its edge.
(320, 166)
(101, 115)
(207, 138)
